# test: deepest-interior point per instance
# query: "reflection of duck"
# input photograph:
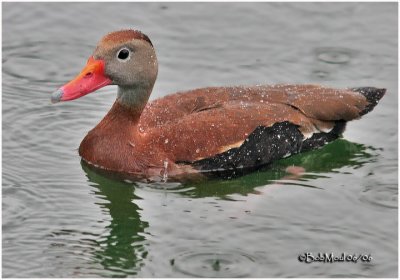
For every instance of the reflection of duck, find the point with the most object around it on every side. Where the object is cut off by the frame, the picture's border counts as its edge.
(122, 251)
(210, 129)
(321, 162)
(338, 154)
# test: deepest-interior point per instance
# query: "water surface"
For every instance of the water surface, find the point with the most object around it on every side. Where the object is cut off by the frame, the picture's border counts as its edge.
(62, 219)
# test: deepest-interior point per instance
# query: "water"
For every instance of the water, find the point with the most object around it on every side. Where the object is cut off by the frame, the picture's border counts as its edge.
(61, 219)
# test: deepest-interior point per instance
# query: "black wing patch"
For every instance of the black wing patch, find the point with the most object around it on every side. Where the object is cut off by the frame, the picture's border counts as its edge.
(320, 139)
(263, 146)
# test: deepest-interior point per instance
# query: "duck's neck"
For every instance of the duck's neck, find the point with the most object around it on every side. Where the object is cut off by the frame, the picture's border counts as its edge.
(117, 134)
(134, 98)
(126, 111)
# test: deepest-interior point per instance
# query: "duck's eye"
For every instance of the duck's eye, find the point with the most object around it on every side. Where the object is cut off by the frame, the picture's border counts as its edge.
(123, 54)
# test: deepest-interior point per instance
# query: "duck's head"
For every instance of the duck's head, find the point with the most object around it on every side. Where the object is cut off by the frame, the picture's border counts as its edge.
(125, 58)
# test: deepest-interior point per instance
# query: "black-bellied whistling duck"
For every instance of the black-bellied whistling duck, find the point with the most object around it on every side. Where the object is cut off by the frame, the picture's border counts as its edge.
(215, 130)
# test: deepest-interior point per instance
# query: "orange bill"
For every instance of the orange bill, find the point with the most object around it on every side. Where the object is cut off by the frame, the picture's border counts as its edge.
(90, 79)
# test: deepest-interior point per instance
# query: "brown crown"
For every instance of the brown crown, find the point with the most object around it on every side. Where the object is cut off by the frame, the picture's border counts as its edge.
(125, 35)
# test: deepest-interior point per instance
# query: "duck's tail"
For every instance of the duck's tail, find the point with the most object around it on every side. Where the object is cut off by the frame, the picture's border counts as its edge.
(372, 94)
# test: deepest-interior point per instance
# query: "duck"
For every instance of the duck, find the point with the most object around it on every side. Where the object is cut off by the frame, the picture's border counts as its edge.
(212, 131)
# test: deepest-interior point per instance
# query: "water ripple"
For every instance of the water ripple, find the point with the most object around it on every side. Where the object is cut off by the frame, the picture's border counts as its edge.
(381, 195)
(202, 262)
(334, 55)
(172, 187)
(20, 58)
